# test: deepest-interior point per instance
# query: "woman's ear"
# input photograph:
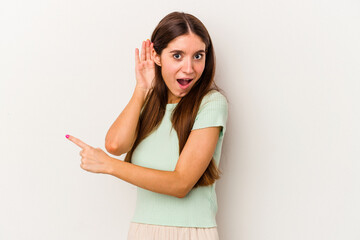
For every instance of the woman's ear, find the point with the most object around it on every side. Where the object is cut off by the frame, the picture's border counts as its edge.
(156, 58)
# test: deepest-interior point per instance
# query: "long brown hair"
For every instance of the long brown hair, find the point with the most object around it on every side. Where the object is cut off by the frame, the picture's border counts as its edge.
(171, 26)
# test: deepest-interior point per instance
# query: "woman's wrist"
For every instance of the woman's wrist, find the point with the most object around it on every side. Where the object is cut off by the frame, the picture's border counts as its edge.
(111, 165)
(140, 93)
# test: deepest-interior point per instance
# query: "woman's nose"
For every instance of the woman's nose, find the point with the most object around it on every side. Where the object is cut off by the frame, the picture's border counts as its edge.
(188, 66)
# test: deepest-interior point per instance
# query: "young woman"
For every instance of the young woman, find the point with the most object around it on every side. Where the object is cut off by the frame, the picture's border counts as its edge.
(172, 132)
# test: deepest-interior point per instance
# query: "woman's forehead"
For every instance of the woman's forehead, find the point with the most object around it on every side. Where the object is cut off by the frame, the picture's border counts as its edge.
(186, 43)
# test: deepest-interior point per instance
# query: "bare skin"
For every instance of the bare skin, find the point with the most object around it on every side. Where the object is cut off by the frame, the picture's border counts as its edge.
(122, 133)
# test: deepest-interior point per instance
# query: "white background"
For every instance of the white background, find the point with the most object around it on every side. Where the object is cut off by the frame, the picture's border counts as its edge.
(291, 155)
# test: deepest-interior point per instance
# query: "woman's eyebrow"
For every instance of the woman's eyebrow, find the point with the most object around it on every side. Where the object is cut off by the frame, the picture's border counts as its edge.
(180, 51)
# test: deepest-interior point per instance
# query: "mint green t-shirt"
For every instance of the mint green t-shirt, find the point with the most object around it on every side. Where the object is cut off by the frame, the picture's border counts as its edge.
(160, 150)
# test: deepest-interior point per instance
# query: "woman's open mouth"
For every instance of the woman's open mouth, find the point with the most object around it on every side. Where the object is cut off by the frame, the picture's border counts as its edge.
(184, 83)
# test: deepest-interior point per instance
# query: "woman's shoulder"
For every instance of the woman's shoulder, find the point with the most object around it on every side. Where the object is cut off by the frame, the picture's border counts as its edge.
(214, 96)
(213, 111)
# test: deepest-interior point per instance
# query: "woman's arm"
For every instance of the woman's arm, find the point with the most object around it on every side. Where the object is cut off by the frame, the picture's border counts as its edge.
(193, 161)
(122, 133)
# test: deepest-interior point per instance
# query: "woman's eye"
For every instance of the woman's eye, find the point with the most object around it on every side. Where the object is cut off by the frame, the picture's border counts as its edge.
(176, 56)
(199, 56)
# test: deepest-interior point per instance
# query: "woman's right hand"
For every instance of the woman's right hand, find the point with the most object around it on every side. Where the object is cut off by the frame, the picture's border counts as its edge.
(144, 66)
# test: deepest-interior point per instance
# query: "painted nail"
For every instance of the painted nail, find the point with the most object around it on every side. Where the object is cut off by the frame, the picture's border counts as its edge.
(67, 136)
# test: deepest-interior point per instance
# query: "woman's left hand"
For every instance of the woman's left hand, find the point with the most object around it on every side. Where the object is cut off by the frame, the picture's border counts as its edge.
(93, 159)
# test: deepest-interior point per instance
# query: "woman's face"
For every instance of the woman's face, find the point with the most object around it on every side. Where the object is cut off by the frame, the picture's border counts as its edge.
(182, 63)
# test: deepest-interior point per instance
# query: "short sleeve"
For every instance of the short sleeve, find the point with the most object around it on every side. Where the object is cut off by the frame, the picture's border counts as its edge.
(213, 112)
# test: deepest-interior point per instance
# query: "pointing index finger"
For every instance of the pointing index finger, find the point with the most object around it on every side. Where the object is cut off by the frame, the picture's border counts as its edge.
(77, 141)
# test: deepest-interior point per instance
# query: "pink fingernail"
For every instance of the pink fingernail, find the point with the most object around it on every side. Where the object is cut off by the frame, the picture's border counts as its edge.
(67, 136)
